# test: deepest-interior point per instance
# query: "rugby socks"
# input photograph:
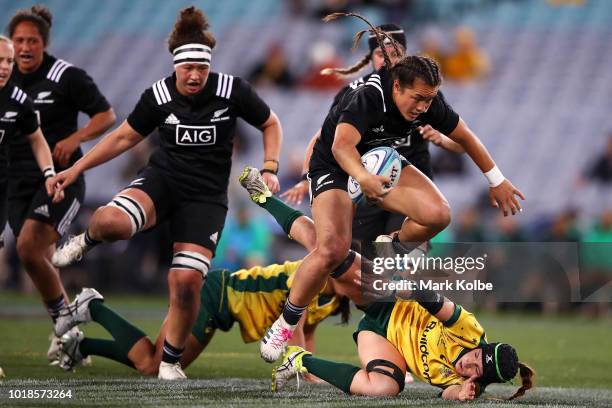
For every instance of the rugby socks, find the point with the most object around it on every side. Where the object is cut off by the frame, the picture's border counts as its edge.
(293, 313)
(337, 374)
(282, 213)
(105, 348)
(54, 306)
(124, 333)
(89, 241)
(171, 354)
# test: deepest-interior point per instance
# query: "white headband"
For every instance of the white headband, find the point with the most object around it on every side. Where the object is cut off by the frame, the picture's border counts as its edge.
(192, 54)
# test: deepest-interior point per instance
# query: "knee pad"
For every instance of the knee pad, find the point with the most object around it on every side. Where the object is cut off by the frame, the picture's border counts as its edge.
(191, 260)
(344, 266)
(397, 375)
(133, 209)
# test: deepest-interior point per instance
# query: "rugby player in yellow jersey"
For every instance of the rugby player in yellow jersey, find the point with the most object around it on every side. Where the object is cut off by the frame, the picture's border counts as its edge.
(430, 337)
(253, 298)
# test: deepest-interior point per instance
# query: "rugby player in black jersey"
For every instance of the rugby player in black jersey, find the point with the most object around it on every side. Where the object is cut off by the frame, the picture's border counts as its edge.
(18, 120)
(371, 221)
(195, 111)
(59, 92)
(393, 102)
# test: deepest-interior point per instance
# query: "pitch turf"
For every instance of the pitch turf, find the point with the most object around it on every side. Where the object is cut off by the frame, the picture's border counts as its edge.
(572, 358)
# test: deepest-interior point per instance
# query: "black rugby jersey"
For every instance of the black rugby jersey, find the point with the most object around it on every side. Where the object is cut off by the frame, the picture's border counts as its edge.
(197, 133)
(368, 106)
(17, 119)
(59, 91)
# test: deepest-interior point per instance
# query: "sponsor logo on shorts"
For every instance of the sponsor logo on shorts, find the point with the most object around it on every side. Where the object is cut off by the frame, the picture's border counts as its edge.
(196, 135)
(322, 181)
(138, 182)
(42, 210)
(214, 237)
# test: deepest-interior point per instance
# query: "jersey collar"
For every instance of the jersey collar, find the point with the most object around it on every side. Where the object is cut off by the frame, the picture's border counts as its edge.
(26, 80)
(202, 96)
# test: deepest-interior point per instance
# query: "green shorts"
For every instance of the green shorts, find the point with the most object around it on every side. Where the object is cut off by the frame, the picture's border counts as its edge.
(214, 310)
(376, 319)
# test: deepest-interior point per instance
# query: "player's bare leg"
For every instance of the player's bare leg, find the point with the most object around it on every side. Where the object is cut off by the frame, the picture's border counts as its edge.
(129, 212)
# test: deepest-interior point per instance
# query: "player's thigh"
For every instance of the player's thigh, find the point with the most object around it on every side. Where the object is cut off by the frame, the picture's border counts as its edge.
(332, 212)
(415, 196)
(373, 346)
(147, 199)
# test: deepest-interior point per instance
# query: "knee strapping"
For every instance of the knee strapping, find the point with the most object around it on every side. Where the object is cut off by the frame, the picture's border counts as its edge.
(397, 374)
(191, 260)
(133, 209)
(344, 266)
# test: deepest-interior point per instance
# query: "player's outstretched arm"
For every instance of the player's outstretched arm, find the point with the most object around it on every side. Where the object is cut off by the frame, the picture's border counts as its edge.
(502, 192)
(116, 142)
(272, 139)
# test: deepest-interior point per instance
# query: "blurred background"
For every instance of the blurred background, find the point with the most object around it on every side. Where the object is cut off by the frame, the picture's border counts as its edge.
(532, 78)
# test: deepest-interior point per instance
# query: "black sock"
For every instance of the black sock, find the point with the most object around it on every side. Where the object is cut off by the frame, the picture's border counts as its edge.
(293, 313)
(54, 306)
(89, 240)
(171, 354)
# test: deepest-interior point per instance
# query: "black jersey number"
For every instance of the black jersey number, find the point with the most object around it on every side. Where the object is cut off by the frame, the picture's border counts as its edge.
(1, 135)
(37, 116)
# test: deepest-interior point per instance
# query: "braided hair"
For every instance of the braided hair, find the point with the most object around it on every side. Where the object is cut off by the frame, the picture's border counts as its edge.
(378, 33)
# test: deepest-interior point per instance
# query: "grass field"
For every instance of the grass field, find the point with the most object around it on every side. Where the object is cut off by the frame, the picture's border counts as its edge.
(571, 355)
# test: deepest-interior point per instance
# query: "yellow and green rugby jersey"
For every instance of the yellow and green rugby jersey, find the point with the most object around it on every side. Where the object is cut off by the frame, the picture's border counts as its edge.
(256, 297)
(430, 347)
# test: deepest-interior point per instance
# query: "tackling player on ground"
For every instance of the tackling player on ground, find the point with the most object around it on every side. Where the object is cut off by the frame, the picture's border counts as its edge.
(195, 111)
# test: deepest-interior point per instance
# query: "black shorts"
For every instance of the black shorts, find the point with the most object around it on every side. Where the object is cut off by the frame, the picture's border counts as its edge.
(37, 206)
(372, 221)
(196, 221)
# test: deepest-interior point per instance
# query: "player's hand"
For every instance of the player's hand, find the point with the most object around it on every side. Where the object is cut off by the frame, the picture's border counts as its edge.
(64, 148)
(504, 197)
(431, 134)
(271, 181)
(373, 187)
(295, 194)
(468, 389)
(50, 187)
(63, 180)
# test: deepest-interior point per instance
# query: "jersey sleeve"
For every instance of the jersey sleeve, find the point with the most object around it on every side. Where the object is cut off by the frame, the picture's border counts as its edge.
(251, 107)
(465, 328)
(84, 92)
(27, 120)
(146, 116)
(362, 108)
(441, 115)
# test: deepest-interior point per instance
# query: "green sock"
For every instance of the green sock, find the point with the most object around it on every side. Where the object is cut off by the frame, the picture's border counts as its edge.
(337, 374)
(282, 213)
(124, 333)
(104, 348)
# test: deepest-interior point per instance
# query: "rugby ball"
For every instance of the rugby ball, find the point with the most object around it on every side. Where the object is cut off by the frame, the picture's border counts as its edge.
(383, 161)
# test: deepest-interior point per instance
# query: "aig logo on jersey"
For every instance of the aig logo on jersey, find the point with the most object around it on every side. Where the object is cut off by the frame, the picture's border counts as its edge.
(195, 135)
